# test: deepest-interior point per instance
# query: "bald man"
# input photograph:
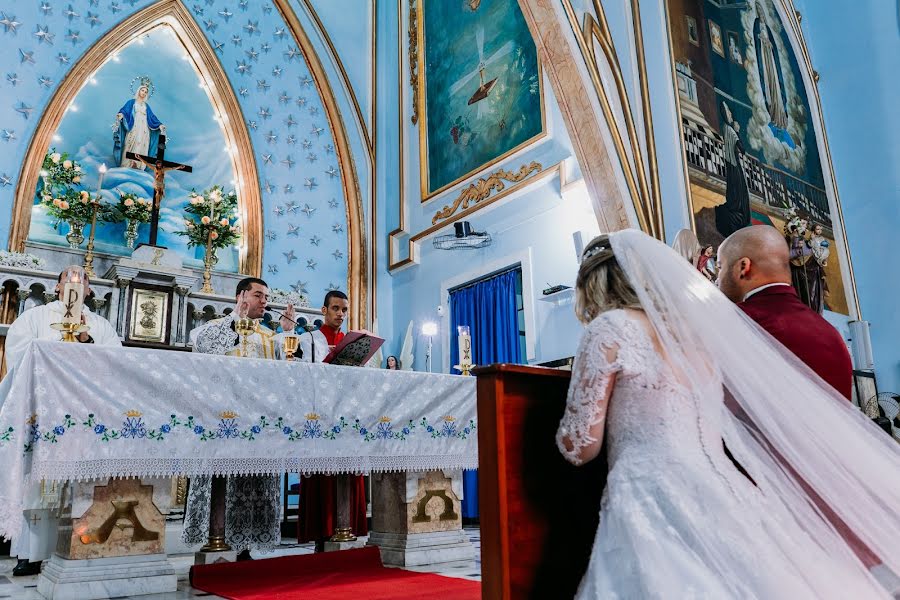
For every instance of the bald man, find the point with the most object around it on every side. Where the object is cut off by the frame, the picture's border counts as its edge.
(754, 272)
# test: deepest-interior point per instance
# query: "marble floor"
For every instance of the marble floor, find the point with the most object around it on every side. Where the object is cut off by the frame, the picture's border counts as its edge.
(25, 588)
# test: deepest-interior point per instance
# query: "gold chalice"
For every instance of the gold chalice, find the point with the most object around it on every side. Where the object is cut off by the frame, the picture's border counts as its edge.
(290, 344)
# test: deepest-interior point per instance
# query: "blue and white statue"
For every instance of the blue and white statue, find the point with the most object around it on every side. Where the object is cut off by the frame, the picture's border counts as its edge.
(136, 128)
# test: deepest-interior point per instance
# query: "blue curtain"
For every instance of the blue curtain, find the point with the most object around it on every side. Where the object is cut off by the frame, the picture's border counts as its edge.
(489, 309)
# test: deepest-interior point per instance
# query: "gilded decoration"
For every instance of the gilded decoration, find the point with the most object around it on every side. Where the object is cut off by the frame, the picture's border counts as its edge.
(484, 187)
(413, 33)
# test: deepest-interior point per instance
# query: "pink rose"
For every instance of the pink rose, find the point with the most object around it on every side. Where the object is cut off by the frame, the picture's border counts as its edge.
(205, 220)
(57, 202)
(64, 205)
(128, 202)
(213, 235)
(223, 222)
(67, 164)
(76, 180)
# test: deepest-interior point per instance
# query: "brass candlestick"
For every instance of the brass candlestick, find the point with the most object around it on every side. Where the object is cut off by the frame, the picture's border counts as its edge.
(89, 256)
(465, 369)
(207, 265)
(69, 330)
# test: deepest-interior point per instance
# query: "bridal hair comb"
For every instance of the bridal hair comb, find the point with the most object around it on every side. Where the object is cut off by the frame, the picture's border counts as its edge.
(594, 251)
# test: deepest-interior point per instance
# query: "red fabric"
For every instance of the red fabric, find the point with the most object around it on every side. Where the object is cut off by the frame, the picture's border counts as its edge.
(804, 332)
(334, 336)
(318, 507)
(344, 575)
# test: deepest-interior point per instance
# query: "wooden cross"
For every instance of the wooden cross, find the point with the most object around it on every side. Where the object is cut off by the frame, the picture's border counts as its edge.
(159, 165)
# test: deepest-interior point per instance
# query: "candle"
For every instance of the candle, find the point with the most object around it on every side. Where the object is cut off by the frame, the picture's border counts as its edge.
(73, 299)
(100, 180)
(465, 345)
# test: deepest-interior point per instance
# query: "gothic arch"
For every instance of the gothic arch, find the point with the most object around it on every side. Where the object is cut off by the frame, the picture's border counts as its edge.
(176, 15)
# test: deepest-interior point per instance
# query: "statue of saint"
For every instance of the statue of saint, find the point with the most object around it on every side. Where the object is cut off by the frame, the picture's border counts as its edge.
(136, 128)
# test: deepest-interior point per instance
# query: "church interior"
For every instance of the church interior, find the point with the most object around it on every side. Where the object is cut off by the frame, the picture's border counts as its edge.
(409, 186)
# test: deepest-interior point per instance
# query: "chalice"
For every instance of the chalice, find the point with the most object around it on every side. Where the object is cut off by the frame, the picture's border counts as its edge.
(290, 344)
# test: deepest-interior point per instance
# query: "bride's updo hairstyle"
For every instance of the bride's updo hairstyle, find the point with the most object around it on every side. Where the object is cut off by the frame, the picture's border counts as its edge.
(601, 283)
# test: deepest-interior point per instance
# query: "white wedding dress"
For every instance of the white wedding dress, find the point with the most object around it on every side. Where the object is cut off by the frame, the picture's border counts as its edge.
(678, 520)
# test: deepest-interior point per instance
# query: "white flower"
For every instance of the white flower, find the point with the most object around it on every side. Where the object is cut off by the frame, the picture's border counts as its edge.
(77, 169)
(55, 157)
(67, 164)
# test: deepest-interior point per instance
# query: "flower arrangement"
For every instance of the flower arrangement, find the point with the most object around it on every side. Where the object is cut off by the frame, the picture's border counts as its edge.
(279, 296)
(212, 217)
(21, 260)
(131, 207)
(59, 170)
(68, 205)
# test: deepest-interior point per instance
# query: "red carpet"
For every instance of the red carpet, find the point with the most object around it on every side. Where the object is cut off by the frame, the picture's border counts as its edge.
(348, 574)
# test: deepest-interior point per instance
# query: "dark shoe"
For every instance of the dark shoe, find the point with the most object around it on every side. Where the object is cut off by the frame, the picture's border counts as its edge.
(320, 545)
(244, 555)
(23, 567)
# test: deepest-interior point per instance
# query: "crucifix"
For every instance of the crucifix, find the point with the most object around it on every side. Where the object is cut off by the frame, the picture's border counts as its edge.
(159, 165)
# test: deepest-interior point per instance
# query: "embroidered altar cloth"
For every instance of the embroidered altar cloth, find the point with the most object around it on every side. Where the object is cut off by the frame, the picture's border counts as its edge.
(75, 411)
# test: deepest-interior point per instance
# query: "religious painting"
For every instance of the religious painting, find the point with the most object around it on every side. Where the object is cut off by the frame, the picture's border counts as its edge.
(750, 145)
(146, 90)
(480, 96)
(734, 48)
(715, 38)
(149, 316)
(693, 34)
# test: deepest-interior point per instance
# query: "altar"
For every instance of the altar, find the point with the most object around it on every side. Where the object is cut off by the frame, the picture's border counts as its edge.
(142, 416)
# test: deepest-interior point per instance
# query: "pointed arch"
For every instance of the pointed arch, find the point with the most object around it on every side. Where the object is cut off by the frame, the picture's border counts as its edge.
(174, 14)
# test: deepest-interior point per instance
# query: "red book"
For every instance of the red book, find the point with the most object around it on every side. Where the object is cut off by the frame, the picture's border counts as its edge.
(357, 348)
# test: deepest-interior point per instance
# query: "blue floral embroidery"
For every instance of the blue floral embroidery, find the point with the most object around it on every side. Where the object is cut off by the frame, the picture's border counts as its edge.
(312, 428)
(383, 430)
(448, 428)
(133, 426)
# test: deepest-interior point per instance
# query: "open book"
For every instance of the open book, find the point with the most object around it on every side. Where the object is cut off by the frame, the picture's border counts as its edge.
(356, 349)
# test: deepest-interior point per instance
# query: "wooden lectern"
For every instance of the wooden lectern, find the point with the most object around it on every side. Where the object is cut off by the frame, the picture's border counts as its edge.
(539, 513)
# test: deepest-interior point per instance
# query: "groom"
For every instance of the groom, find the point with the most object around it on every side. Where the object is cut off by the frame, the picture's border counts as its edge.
(755, 273)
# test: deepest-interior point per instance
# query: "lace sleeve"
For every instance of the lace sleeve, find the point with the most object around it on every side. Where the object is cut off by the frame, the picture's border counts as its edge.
(580, 431)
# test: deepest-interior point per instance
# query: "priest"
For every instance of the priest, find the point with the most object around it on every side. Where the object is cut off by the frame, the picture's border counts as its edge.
(44, 501)
(253, 502)
(318, 493)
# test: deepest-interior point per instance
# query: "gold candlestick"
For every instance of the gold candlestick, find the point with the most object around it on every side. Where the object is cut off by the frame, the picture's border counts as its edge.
(290, 343)
(465, 369)
(69, 330)
(89, 256)
(207, 266)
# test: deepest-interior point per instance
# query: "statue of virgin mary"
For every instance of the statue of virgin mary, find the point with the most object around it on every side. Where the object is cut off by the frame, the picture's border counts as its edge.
(136, 128)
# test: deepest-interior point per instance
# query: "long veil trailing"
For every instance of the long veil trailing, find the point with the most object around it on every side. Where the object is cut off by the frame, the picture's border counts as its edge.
(814, 457)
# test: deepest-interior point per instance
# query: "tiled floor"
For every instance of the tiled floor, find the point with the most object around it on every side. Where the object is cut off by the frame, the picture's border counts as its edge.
(25, 588)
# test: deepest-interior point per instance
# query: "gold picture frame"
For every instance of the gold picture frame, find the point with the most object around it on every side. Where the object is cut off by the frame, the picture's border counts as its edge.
(149, 316)
(418, 53)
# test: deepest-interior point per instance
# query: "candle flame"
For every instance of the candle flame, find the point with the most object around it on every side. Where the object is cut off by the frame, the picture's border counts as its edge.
(103, 168)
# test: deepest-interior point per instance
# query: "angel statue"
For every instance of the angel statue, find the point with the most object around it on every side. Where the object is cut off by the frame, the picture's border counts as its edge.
(136, 128)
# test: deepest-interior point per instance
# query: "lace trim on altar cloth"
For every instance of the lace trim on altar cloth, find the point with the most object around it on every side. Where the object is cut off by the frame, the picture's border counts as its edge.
(191, 467)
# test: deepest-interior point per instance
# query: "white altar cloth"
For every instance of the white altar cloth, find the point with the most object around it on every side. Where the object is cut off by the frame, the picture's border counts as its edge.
(143, 413)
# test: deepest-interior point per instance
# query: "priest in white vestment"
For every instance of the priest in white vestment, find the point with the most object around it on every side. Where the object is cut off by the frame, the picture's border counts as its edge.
(253, 502)
(44, 502)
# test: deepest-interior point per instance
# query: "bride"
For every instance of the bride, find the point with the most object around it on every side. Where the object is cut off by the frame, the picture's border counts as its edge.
(677, 518)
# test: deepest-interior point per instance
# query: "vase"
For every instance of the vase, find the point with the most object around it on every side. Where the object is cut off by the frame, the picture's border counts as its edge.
(131, 231)
(76, 234)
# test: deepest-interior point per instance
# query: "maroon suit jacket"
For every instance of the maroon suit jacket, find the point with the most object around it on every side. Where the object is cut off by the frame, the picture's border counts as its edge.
(804, 332)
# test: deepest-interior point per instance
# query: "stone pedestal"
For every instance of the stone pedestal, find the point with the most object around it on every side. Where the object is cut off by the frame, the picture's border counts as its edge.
(120, 576)
(335, 546)
(417, 519)
(113, 544)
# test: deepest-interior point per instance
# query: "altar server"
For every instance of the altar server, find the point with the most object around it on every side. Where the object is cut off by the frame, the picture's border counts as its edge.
(318, 493)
